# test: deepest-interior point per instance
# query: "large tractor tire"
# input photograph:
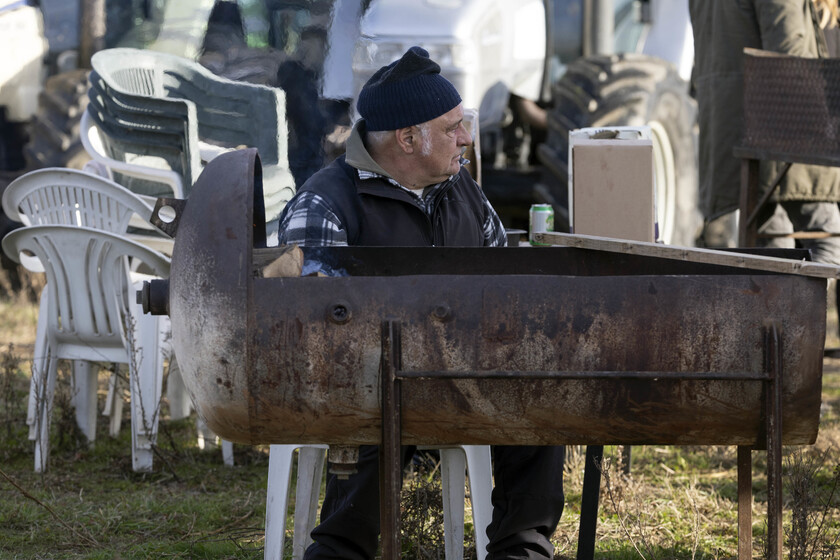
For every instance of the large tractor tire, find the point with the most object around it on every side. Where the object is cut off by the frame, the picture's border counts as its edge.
(12, 138)
(53, 142)
(54, 133)
(634, 90)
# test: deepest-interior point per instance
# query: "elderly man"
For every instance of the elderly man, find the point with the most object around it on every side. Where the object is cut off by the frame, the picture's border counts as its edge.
(402, 182)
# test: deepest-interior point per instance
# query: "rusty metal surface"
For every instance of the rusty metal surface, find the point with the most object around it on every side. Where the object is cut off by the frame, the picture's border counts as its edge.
(318, 379)
(792, 108)
(209, 270)
(296, 360)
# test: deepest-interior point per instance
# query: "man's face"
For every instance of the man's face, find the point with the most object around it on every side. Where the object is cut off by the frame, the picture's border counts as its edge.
(441, 145)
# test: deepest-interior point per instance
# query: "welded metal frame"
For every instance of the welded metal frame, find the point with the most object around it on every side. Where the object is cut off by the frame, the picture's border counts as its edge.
(390, 465)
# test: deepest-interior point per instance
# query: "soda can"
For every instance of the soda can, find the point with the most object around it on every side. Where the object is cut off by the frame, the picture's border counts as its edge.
(540, 219)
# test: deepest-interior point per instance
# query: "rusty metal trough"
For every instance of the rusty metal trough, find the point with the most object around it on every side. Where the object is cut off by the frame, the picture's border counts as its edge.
(509, 346)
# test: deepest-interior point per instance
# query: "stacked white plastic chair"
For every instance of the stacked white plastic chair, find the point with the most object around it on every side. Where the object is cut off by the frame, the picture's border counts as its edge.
(455, 462)
(78, 318)
(153, 104)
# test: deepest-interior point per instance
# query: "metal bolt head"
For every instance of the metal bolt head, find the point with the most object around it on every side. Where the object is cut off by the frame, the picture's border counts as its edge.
(339, 312)
(441, 312)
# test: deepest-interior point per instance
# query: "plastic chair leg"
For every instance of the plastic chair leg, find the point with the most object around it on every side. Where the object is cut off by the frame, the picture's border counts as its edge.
(455, 463)
(227, 452)
(39, 364)
(206, 437)
(45, 392)
(180, 404)
(114, 405)
(310, 473)
(146, 374)
(480, 473)
(209, 440)
(84, 397)
(452, 476)
(277, 498)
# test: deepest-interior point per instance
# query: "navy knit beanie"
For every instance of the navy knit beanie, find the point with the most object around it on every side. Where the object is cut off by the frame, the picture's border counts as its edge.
(408, 91)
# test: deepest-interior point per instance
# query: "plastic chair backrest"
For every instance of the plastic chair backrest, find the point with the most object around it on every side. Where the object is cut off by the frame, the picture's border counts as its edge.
(62, 196)
(230, 113)
(88, 282)
(160, 135)
(132, 87)
(149, 179)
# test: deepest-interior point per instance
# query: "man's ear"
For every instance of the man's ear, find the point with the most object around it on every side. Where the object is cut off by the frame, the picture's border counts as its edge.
(407, 138)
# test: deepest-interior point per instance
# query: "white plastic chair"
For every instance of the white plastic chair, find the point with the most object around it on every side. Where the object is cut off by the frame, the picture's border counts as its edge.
(455, 462)
(125, 81)
(61, 196)
(92, 316)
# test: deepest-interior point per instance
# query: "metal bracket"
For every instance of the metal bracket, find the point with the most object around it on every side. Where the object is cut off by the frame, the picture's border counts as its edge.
(167, 213)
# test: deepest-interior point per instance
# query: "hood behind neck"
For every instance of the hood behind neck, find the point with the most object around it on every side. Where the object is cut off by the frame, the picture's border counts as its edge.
(357, 154)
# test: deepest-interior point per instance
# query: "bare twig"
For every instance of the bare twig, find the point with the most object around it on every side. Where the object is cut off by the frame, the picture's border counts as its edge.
(86, 538)
(166, 462)
(605, 470)
(233, 523)
(695, 543)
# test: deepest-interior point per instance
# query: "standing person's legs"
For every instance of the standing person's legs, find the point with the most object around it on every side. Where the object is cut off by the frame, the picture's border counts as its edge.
(349, 528)
(817, 216)
(773, 219)
(721, 231)
(527, 501)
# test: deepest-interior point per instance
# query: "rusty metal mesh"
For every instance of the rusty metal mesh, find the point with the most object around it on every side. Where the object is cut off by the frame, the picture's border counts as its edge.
(792, 105)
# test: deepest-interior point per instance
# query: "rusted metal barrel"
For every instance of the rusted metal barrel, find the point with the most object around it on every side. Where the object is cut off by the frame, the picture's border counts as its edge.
(499, 346)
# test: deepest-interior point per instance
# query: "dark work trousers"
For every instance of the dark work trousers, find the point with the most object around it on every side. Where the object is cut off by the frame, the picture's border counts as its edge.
(527, 504)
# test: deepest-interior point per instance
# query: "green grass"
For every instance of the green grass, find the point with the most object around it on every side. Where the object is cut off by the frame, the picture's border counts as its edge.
(90, 503)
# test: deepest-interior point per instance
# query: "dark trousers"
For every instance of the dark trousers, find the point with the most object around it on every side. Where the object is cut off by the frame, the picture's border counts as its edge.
(527, 503)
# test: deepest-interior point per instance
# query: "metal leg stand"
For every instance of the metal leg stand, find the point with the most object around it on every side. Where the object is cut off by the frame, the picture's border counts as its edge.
(773, 365)
(744, 502)
(590, 496)
(628, 459)
(390, 467)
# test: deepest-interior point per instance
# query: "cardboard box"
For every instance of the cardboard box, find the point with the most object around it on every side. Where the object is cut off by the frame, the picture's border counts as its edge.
(611, 183)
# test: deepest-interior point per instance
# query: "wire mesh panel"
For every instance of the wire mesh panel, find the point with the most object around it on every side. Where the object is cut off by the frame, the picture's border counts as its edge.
(792, 107)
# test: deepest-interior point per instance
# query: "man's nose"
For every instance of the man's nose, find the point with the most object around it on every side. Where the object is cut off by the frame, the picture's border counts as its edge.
(464, 136)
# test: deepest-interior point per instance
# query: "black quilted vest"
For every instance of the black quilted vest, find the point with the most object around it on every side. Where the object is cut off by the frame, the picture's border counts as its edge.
(376, 213)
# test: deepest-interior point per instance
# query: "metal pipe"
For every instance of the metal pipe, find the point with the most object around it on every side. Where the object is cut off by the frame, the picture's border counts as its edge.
(615, 375)
(602, 25)
(91, 30)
